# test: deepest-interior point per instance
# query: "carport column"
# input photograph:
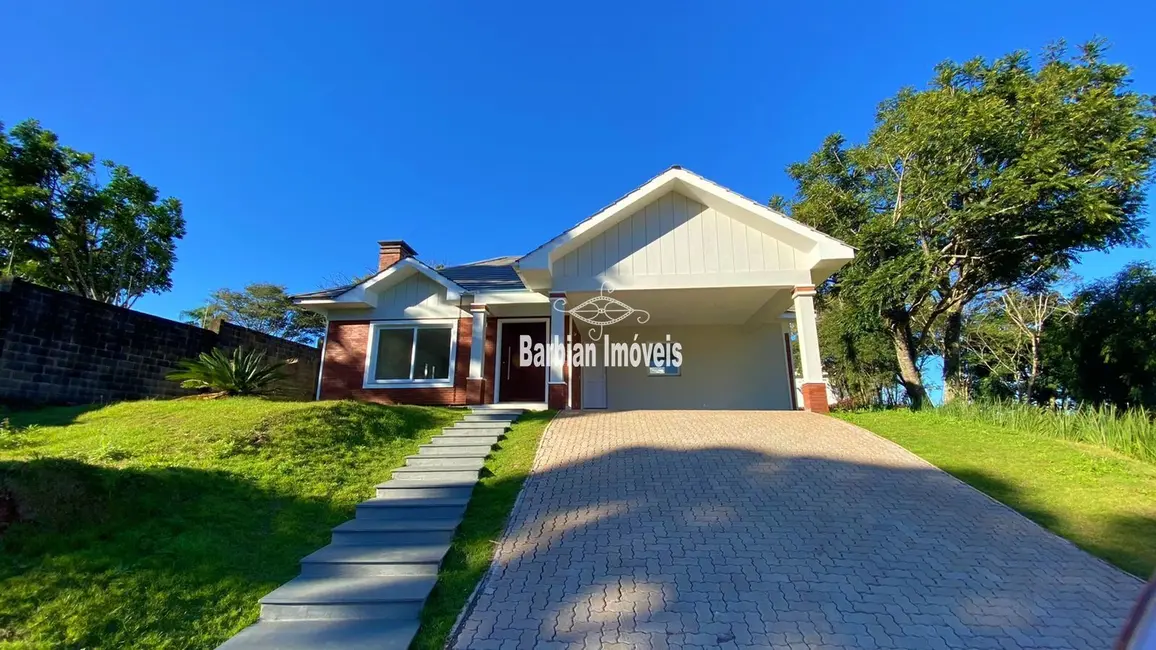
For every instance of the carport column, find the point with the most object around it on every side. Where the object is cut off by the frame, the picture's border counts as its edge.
(476, 382)
(557, 391)
(814, 387)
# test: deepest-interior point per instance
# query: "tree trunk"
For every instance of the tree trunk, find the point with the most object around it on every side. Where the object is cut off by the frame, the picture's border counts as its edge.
(908, 370)
(953, 380)
(1033, 372)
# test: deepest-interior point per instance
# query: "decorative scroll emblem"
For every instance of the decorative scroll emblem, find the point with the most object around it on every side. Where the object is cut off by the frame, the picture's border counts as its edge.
(602, 310)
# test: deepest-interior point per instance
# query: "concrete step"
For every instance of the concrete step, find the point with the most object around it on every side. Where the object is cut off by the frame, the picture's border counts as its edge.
(446, 462)
(482, 409)
(345, 560)
(489, 417)
(436, 474)
(476, 433)
(344, 598)
(391, 532)
(479, 451)
(497, 427)
(411, 509)
(453, 438)
(324, 635)
(426, 489)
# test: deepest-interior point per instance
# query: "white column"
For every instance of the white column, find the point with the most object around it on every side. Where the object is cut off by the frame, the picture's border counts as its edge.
(557, 337)
(478, 342)
(808, 335)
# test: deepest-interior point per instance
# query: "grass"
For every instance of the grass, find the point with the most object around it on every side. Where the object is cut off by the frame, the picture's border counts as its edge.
(1099, 499)
(159, 524)
(485, 520)
(1131, 432)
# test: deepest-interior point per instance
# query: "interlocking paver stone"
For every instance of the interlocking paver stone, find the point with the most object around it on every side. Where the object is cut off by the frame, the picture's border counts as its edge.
(656, 529)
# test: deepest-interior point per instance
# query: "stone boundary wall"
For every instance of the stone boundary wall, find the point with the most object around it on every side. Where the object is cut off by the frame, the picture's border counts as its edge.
(60, 348)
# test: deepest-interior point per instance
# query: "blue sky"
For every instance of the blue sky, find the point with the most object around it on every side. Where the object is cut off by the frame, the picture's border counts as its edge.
(297, 135)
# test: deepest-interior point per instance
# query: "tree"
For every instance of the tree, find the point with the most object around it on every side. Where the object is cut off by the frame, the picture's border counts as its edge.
(261, 307)
(33, 165)
(998, 173)
(1005, 335)
(857, 355)
(98, 231)
(117, 241)
(1106, 352)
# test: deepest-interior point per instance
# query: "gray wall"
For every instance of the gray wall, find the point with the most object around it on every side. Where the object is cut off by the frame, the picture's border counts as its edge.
(724, 367)
(59, 348)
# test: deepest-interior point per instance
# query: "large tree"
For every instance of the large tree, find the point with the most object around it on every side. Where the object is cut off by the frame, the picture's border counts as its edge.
(261, 307)
(97, 230)
(999, 173)
(1105, 353)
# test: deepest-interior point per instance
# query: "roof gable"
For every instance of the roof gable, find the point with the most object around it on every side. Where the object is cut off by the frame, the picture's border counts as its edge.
(819, 246)
(366, 292)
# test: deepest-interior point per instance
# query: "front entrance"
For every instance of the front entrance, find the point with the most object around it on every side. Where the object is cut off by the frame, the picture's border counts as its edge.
(520, 383)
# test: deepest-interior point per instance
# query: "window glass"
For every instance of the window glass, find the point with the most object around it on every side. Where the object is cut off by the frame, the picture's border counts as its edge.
(394, 350)
(432, 359)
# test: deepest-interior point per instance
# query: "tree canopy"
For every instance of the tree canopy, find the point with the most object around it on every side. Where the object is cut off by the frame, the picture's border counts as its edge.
(262, 307)
(67, 222)
(999, 173)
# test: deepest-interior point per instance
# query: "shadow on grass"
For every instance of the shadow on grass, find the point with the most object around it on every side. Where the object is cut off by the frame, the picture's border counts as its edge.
(98, 557)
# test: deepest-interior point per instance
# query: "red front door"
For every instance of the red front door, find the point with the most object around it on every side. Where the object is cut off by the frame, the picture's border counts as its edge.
(520, 383)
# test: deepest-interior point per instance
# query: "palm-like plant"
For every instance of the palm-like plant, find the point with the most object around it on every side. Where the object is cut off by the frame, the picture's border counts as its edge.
(244, 372)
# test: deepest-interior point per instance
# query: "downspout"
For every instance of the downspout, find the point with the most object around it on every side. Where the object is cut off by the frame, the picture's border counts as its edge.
(321, 366)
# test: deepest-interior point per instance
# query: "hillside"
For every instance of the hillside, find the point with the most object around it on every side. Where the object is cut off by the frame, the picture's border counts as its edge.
(160, 523)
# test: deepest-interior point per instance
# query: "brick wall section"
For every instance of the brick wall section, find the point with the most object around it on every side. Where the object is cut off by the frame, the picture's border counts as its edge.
(815, 398)
(59, 348)
(344, 374)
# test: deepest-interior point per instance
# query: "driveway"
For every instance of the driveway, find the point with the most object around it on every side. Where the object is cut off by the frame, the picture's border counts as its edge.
(693, 529)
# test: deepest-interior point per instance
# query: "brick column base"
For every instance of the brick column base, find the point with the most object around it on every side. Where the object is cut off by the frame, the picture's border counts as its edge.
(815, 398)
(475, 391)
(557, 396)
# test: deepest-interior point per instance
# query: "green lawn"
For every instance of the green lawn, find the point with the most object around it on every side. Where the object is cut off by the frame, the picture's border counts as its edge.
(1101, 500)
(474, 544)
(159, 524)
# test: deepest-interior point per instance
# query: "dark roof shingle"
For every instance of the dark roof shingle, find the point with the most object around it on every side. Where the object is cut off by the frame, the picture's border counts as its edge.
(496, 274)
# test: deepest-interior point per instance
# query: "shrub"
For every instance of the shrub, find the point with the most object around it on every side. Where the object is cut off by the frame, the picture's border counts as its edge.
(244, 372)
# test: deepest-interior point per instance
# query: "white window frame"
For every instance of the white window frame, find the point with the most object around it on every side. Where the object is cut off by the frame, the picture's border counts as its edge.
(371, 356)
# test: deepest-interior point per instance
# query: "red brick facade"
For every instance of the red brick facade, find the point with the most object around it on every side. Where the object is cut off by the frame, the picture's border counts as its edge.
(815, 398)
(343, 374)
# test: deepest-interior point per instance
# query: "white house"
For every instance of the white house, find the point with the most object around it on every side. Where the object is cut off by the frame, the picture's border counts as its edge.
(679, 260)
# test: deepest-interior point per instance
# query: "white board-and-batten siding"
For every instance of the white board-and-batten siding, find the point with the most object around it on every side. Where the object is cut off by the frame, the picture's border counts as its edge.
(676, 235)
(415, 296)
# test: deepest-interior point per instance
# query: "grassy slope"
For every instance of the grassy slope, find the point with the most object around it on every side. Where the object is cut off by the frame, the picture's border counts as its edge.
(474, 544)
(1100, 500)
(160, 524)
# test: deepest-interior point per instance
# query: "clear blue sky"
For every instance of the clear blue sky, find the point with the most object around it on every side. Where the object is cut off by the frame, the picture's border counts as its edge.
(298, 135)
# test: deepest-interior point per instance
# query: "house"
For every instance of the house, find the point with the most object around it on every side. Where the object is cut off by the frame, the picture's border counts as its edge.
(682, 289)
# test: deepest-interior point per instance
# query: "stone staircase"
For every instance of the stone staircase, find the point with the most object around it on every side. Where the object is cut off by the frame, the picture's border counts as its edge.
(367, 588)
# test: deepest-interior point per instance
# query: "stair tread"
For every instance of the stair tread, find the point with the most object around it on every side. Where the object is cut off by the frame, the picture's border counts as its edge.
(379, 554)
(394, 525)
(324, 590)
(325, 635)
(399, 484)
(433, 470)
(413, 503)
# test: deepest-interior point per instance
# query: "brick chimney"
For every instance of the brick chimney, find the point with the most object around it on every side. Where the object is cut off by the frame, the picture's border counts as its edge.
(391, 252)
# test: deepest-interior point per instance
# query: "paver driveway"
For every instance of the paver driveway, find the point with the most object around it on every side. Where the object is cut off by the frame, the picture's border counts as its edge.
(649, 529)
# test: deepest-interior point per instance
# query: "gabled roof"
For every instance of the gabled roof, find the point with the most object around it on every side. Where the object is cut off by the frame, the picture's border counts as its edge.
(363, 293)
(495, 274)
(704, 190)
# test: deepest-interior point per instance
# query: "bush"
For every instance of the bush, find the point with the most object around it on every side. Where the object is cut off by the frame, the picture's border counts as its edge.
(245, 372)
(1131, 432)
